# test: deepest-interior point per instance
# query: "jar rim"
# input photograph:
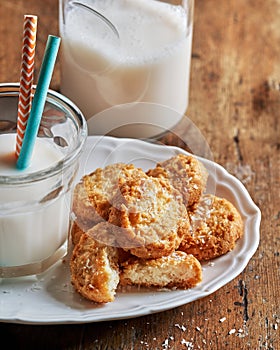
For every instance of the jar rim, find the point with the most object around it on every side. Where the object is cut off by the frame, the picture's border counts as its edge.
(54, 97)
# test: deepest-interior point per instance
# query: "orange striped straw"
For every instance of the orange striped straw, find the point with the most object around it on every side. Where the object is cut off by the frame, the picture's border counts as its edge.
(26, 77)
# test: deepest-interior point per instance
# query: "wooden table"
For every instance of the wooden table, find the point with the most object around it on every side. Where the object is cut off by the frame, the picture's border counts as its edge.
(235, 102)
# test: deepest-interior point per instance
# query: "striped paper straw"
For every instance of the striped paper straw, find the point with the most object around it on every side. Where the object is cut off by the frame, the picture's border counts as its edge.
(38, 102)
(26, 77)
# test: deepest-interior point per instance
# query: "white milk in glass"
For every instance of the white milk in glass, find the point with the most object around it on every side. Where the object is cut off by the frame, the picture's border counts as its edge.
(148, 64)
(31, 227)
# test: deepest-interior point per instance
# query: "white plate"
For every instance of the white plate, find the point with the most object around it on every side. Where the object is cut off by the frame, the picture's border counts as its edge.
(50, 298)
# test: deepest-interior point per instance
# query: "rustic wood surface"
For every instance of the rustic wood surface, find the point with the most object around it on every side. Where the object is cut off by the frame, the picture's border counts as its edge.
(235, 102)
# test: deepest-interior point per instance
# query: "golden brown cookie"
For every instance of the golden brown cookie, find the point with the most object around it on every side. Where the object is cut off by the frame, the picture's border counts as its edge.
(152, 214)
(93, 194)
(186, 173)
(177, 270)
(84, 210)
(76, 232)
(94, 266)
(216, 225)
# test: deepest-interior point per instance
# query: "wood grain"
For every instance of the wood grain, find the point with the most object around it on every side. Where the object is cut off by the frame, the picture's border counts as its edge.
(235, 103)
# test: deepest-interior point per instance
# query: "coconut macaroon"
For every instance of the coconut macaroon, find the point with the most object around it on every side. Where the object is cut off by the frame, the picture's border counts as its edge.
(177, 270)
(94, 266)
(186, 173)
(75, 232)
(151, 213)
(83, 209)
(93, 194)
(216, 225)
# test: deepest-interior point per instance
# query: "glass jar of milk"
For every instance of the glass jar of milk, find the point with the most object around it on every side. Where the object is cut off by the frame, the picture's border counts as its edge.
(35, 203)
(126, 63)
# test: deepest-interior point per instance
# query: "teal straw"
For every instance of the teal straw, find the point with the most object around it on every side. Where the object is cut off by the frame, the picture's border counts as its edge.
(38, 103)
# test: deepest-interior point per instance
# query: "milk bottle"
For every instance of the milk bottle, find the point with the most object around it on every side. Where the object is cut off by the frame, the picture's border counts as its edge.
(147, 65)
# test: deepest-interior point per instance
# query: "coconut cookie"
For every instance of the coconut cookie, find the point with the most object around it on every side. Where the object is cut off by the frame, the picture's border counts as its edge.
(186, 173)
(83, 209)
(177, 270)
(94, 266)
(93, 194)
(75, 232)
(151, 213)
(216, 226)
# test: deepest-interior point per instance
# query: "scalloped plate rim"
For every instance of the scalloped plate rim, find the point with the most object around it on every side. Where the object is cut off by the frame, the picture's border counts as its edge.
(237, 257)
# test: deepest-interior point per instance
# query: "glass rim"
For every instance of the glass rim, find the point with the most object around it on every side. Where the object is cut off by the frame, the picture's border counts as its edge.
(54, 97)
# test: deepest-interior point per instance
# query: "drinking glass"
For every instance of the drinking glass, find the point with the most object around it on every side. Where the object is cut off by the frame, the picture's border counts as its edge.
(35, 203)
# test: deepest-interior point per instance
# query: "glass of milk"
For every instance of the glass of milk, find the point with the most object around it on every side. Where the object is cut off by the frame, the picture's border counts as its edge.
(35, 203)
(126, 63)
